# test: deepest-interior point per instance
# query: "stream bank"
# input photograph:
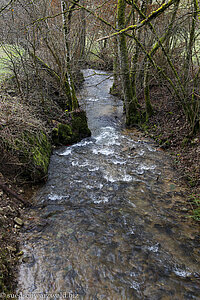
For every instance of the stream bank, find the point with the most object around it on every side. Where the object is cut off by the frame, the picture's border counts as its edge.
(169, 127)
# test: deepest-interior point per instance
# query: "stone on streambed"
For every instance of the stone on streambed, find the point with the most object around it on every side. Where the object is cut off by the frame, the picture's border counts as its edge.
(36, 156)
(125, 149)
(18, 221)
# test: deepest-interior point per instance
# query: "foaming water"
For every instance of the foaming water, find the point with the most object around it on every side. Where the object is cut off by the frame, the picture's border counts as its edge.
(107, 224)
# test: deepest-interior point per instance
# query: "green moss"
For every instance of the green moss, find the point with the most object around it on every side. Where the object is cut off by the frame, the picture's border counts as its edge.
(55, 136)
(191, 181)
(134, 118)
(195, 203)
(41, 151)
(65, 134)
(33, 151)
(79, 126)
(184, 142)
(115, 90)
(62, 135)
(36, 156)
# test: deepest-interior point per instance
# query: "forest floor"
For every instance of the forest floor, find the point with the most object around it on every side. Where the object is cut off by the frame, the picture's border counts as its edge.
(168, 127)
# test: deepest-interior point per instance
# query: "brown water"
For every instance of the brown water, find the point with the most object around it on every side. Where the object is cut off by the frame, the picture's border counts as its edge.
(110, 222)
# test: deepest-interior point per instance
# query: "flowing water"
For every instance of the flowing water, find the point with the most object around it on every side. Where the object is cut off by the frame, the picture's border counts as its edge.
(110, 222)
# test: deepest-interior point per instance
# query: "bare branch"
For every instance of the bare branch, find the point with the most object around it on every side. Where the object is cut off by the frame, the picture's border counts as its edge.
(150, 17)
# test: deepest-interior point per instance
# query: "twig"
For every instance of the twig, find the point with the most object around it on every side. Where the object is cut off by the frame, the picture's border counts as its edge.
(10, 192)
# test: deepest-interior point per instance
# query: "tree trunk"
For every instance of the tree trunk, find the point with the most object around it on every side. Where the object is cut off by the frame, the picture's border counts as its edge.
(149, 108)
(130, 104)
(69, 83)
(113, 89)
(82, 33)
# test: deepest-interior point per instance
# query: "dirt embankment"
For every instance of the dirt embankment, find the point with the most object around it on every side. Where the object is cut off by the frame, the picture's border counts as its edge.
(11, 222)
(169, 128)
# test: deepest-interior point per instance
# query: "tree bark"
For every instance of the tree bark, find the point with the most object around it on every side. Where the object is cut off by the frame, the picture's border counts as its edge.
(130, 104)
(69, 82)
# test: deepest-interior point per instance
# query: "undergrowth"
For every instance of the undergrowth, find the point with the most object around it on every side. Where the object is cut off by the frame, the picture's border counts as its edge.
(195, 205)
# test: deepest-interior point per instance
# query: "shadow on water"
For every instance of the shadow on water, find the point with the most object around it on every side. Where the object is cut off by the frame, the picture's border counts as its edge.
(108, 223)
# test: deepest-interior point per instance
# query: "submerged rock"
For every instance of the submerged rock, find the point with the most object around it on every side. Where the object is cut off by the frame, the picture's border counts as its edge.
(18, 221)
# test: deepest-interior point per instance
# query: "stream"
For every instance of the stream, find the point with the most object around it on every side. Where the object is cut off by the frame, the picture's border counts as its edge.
(110, 222)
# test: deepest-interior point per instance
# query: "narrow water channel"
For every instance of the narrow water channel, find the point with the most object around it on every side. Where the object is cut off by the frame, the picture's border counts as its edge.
(110, 222)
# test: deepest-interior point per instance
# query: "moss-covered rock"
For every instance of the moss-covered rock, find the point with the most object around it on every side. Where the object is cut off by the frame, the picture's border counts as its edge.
(36, 156)
(28, 155)
(62, 134)
(66, 134)
(79, 126)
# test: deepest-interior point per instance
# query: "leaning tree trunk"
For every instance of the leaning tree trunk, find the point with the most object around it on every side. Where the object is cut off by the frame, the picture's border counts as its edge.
(193, 104)
(149, 108)
(130, 104)
(114, 88)
(69, 83)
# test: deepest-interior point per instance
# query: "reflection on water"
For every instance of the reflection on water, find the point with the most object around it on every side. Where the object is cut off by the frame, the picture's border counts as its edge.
(107, 225)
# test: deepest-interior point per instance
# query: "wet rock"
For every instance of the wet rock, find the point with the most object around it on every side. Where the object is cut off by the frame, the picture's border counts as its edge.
(10, 208)
(69, 231)
(125, 149)
(28, 259)
(11, 92)
(110, 189)
(51, 214)
(41, 225)
(12, 249)
(77, 129)
(184, 209)
(195, 141)
(17, 226)
(133, 148)
(137, 247)
(18, 221)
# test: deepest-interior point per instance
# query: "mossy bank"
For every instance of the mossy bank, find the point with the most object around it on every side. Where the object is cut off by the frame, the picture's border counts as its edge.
(28, 133)
(72, 132)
